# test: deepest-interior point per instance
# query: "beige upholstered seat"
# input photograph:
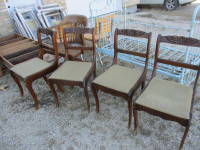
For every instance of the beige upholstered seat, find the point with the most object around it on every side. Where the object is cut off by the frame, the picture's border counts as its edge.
(72, 71)
(119, 78)
(30, 67)
(167, 97)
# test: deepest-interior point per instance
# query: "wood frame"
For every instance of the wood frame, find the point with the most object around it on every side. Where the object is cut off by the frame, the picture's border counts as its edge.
(16, 48)
(42, 49)
(141, 82)
(71, 21)
(68, 46)
(177, 40)
(101, 26)
(24, 23)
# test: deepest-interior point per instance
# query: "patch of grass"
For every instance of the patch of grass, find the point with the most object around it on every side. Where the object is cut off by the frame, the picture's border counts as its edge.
(162, 127)
(144, 131)
(64, 133)
(83, 115)
(147, 16)
(125, 119)
(51, 143)
(198, 128)
(169, 19)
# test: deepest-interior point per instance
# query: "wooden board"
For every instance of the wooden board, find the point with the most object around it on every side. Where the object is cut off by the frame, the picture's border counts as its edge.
(15, 49)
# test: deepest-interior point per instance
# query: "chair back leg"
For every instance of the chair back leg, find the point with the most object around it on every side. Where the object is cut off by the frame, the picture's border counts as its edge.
(45, 79)
(96, 97)
(130, 111)
(87, 97)
(60, 88)
(135, 113)
(184, 137)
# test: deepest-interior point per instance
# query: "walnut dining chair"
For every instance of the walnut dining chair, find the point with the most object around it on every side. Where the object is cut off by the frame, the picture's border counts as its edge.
(103, 30)
(119, 80)
(71, 21)
(36, 68)
(168, 99)
(75, 73)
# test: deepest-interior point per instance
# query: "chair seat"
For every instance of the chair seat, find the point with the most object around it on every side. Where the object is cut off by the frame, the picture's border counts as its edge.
(72, 71)
(30, 67)
(168, 97)
(118, 78)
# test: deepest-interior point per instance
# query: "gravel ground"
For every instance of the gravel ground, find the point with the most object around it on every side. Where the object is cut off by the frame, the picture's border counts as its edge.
(71, 127)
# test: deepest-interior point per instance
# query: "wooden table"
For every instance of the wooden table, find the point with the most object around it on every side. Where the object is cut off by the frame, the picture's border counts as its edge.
(16, 48)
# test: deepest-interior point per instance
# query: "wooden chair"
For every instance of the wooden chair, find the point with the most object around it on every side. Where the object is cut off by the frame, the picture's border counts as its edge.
(75, 73)
(103, 29)
(167, 99)
(122, 81)
(36, 68)
(70, 21)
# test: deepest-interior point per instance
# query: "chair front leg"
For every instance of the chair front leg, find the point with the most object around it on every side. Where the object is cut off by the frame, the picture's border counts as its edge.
(30, 89)
(87, 97)
(54, 92)
(130, 111)
(94, 91)
(18, 83)
(184, 137)
(135, 113)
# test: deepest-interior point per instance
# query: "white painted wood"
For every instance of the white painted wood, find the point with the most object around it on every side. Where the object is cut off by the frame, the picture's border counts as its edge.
(78, 7)
(12, 4)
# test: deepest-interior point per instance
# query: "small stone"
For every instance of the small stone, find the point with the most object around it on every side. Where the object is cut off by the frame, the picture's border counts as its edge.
(102, 148)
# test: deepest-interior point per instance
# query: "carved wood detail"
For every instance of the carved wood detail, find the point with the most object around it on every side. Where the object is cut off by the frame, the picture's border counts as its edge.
(181, 40)
(46, 31)
(76, 30)
(129, 32)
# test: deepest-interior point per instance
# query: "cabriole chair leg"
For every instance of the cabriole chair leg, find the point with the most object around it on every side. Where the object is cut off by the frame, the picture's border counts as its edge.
(54, 93)
(18, 83)
(130, 112)
(30, 89)
(135, 113)
(184, 137)
(60, 88)
(87, 97)
(96, 98)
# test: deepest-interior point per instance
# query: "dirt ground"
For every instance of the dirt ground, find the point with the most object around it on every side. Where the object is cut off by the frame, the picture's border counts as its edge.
(71, 127)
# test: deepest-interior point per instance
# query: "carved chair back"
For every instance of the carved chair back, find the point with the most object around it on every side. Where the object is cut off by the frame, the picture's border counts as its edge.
(70, 21)
(76, 31)
(177, 40)
(44, 47)
(136, 34)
